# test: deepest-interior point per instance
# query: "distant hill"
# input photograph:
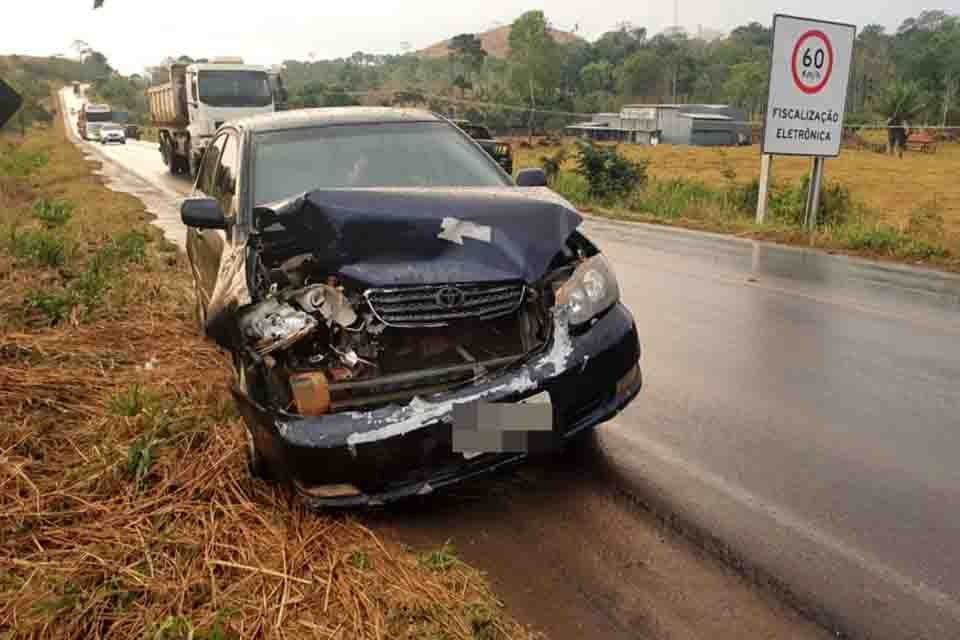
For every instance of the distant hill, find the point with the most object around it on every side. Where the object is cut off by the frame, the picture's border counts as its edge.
(495, 43)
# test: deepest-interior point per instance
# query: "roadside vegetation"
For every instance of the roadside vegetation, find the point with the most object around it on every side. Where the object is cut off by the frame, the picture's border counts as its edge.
(864, 210)
(126, 509)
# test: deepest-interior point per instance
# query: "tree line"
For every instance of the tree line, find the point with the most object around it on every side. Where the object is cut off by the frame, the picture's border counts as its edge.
(912, 73)
(909, 74)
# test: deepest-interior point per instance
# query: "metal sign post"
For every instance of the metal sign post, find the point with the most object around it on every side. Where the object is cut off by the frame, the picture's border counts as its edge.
(806, 99)
(813, 195)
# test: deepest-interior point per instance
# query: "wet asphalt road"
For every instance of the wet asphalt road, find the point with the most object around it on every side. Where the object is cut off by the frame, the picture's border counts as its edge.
(805, 409)
(801, 409)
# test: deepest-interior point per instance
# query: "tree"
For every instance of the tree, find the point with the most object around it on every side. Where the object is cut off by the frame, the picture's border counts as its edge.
(597, 76)
(901, 101)
(534, 58)
(747, 85)
(945, 49)
(641, 74)
(617, 46)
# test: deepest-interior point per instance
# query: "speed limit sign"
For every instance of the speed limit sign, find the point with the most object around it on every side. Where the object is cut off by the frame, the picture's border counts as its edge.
(812, 69)
(809, 70)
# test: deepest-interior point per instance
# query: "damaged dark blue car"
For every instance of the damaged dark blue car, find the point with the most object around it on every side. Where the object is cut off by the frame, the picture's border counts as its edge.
(374, 272)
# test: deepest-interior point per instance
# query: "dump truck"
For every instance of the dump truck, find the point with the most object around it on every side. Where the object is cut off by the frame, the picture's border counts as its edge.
(91, 118)
(199, 97)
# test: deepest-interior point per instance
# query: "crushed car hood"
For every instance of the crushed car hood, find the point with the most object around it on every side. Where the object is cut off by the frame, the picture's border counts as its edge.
(391, 237)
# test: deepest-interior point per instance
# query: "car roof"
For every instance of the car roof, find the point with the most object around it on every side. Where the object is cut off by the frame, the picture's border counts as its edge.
(331, 116)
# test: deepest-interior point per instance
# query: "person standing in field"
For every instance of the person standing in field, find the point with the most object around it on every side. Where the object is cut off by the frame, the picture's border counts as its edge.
(896, 135)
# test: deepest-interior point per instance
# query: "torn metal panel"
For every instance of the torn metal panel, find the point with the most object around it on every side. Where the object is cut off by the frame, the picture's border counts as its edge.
(230, 294)
(390, 237)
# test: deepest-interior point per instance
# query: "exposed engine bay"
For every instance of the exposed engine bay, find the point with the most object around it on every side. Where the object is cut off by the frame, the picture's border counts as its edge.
(318, 344)
(356, 299)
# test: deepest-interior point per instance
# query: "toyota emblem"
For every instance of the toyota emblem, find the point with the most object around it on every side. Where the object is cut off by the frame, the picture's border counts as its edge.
(450, 297)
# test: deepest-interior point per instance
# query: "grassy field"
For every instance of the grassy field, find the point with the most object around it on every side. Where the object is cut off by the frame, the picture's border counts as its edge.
(888, 193)
(126, 509)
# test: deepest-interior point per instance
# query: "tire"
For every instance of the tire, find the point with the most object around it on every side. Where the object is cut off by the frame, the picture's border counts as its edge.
(256, 463)
(192, 164)
(181, 164)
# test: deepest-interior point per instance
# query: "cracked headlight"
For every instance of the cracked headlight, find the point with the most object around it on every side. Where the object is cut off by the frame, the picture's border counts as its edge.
(591, 290)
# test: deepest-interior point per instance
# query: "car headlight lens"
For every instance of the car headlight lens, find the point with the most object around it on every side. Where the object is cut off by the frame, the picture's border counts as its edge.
(591, 290)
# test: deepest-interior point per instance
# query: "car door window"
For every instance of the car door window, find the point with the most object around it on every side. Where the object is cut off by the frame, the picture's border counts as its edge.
(225, 182)
(208, 168)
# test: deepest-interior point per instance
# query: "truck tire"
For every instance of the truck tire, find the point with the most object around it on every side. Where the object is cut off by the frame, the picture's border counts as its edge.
(193, 164)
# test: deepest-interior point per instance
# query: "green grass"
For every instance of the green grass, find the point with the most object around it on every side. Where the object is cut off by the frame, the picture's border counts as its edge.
(17, 163)
(53, 213)
(41, 248)
(359, 560)
(843, 222)
(133, 401)
(54, 307)
(440, 559)
(141, 457)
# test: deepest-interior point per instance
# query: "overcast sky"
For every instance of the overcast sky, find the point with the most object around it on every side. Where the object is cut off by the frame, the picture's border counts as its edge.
(136, 33)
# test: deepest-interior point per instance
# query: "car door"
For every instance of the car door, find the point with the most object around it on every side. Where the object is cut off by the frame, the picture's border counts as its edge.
(204, 246)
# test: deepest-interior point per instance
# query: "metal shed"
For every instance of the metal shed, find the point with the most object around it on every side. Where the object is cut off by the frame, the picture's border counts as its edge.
(695, 124)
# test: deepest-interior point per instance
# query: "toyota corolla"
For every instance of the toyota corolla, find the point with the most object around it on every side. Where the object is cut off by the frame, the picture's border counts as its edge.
(402, 315)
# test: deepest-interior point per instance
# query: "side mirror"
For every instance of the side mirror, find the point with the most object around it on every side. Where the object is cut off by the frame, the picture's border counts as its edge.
(531, 178)
(203, 213)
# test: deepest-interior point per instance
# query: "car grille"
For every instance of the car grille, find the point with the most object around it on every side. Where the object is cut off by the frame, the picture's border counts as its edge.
(437, 305)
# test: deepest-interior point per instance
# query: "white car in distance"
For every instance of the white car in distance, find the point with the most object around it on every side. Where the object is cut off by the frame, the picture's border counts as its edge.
(112, 133)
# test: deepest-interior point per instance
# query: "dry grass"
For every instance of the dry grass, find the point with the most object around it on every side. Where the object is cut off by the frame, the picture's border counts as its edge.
(905, 210)
(892, 187)
(126, 510)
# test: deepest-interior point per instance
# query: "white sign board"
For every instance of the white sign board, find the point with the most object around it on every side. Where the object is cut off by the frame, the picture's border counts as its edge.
(809, 70)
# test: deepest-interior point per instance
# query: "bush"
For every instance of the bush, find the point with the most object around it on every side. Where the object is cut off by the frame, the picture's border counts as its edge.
(673, 198)
(886, 240)
(551, 164)
(55, 307)
(53, 213)
(926, 221)
(788, 202)
(40, 247)
(573, 187)
(609, 175)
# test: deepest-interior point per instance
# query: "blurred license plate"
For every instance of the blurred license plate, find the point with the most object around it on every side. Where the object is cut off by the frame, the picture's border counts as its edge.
(499, 427)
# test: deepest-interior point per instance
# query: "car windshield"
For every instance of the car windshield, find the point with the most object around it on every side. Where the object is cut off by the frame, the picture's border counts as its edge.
(415, 154)
(235, 89)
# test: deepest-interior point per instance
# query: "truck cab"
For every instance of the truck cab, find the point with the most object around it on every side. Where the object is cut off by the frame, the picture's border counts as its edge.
(199, 98)
(220, 91)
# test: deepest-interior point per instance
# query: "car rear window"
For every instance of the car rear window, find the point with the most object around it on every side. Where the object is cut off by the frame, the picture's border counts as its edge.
(415, 154)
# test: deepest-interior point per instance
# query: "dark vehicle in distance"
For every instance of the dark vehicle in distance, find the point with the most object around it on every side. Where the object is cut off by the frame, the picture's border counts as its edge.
(374, 274)
(502, 152)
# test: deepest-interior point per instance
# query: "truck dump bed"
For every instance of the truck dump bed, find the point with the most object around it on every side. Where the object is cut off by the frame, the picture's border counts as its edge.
(168, 101)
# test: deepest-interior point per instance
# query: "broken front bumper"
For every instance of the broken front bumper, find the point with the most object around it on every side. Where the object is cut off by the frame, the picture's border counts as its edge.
(373, 457)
